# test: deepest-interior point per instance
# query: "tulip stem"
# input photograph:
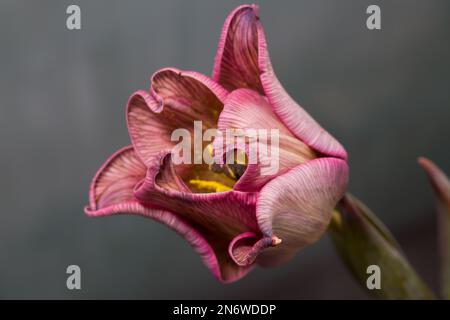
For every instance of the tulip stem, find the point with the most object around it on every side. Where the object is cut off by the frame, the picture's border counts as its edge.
(362, 242)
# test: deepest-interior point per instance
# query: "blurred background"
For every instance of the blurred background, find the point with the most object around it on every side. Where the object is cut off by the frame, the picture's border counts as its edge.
(384, 94)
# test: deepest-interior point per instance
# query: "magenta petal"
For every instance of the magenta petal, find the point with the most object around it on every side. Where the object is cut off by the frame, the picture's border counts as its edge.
(246, 109)
(230, 210)
(243, 61)
(246, 247)
(236, 62)
(116, 179)
(112, 192)
(176, 99)
(218, 217)
(297, 206)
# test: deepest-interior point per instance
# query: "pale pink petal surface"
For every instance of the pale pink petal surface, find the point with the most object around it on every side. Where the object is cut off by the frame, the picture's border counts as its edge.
(176, 99)
(112, 192)
(246, 109)
(297, 206)
(114, 182)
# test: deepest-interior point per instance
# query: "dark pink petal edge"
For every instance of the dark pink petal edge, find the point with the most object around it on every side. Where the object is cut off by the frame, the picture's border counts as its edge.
(196, 240)
(132, 206)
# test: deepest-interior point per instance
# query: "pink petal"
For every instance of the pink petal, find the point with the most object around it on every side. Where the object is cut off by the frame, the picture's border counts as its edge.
(246, 247)
(236, 62)
(246, 109)
(439, 181)
(296, 207)
(112, 193)
(243, 61)
(218, 217)
(176, 99)
(116, 179)
(441, 187)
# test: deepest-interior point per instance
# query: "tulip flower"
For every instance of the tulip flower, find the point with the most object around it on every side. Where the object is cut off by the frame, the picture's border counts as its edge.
(234, 216)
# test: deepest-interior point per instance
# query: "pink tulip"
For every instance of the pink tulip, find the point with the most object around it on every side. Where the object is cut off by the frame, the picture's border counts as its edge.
(234, 222)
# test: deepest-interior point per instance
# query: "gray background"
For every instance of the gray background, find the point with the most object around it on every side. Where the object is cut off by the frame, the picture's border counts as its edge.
(383, 94)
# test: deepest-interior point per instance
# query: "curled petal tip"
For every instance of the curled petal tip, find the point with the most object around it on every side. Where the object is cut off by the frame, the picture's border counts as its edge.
(255, 9)
(425, 163)
(276, 241)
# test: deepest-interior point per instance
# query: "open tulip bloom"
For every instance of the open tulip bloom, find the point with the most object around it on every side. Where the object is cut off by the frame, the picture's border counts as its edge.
(235, 214)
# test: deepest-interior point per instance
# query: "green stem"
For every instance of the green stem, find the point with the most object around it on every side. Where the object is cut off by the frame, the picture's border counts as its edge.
(362, 240)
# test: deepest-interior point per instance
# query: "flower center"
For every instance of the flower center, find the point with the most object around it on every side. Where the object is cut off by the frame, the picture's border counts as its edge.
(219, 178)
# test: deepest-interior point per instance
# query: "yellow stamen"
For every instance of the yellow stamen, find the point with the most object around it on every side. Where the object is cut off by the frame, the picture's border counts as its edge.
(230, 172)
(209, 186)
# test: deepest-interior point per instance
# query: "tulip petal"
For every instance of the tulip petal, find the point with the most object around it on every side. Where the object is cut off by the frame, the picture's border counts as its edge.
(112, 192)
(441, 187)
(242, 57)
(236, 61)
(116, 179)
(246, 247)
(439, 181)
(296, 206)
(176, 99)
(246, 109)
(174, 222)
(297, 119)
(218, 217)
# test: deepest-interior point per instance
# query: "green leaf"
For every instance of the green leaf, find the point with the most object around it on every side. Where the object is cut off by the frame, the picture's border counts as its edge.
(441, 186)
(362, 240)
